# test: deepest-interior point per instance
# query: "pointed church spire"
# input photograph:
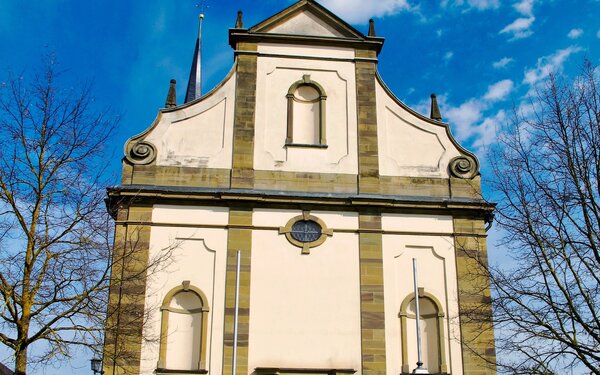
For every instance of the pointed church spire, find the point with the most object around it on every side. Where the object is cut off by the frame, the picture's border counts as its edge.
(435, 110)
(372, 28)
(194, 87)
(172, 95)
(239, 22)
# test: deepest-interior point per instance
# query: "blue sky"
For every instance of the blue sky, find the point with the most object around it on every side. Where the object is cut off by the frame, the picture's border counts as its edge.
(482, 57)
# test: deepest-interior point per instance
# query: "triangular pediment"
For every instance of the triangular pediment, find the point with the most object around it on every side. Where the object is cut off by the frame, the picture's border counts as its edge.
(307, 18)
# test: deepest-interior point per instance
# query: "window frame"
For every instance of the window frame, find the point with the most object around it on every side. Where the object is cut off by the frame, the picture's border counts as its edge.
(403, 315)
(306, 246)
(291, 99)
(164, 329)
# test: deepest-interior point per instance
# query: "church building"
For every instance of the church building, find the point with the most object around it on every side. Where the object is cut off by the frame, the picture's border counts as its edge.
(274, 224)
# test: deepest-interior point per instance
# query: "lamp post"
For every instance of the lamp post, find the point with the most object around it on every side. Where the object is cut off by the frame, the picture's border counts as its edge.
(96, 366)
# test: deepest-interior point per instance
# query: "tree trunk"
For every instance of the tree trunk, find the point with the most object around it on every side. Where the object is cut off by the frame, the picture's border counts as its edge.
(21, 361)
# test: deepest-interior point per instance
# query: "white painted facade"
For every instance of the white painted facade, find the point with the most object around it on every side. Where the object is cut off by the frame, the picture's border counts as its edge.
(428, 239)
(305, 308)
(404, 136)
(305, 23)
(198, 256)
(274, 77)
(200, 134)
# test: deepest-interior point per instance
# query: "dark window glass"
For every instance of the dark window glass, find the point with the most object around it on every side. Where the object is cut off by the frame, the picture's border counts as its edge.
(306, 231)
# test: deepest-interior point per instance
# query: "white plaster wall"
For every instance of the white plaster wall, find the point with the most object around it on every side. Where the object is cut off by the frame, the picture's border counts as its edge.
(199, 255)
(417, 223)
(408, 145)
(304, 309)
(305, 23)
(304, 51)
(437, 274)
(199, 135)
(274, 78)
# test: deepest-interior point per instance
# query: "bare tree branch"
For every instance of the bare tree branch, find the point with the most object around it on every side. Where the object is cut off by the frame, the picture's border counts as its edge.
(547, 164)
(55, 234)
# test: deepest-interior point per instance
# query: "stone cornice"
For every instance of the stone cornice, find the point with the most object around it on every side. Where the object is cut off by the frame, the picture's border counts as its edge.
(146, 194)
(241, 35)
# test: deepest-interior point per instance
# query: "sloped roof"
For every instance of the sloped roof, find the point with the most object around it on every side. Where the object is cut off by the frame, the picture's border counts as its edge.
(5, 370)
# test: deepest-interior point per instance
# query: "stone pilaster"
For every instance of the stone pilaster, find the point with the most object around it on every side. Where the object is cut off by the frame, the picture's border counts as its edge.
(242, 174)
(474, 297)
(123, 341)
(465, 188)
(239, 238)
(372, 312)
(366, 103)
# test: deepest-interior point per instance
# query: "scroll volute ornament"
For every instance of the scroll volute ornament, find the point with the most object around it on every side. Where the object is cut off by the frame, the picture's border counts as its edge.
(140, 152)
(464, 166)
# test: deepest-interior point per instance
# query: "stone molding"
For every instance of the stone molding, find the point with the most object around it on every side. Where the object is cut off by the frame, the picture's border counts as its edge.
(464, 167)
(140, 152)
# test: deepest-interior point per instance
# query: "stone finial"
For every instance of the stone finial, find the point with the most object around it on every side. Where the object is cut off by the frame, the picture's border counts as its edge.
(172, 95)
(372, 28)
(435, 109)
(239, 22)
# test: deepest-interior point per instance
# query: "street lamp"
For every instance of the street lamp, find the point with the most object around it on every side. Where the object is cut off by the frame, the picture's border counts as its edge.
(96, 366)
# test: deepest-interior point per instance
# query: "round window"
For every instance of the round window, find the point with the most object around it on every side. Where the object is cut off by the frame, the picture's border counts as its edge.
(306, 231)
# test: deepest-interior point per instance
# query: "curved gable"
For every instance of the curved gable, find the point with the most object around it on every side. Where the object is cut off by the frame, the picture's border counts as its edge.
(413, 145)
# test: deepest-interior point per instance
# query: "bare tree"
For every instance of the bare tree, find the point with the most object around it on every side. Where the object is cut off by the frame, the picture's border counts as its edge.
(547, 165)
(55, 234)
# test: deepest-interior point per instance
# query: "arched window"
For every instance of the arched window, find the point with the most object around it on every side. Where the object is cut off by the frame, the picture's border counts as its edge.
(183, 331)
(306, 114)
(433, 346)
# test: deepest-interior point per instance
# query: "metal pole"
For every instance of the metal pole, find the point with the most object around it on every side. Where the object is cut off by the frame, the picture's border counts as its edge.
(420, 369)
(236, 313)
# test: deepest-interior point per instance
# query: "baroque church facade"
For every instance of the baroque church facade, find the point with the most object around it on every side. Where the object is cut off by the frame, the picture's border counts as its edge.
(285, 208)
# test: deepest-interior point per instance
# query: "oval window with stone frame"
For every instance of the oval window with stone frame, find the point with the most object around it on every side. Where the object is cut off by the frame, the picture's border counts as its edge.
(306, 231)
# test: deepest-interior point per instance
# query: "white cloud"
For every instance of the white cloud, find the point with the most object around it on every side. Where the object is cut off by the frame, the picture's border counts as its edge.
(448, 55)
(484, 4)
(464, 117)
(598, 34)
(469, 120)
(473, 4)
(488, 129)
(549, 64)
(360, 11)
(525, 7)
(499, 90)
(502, 63)
(519, 28)
(575, 33)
